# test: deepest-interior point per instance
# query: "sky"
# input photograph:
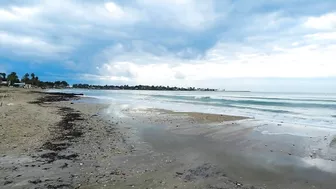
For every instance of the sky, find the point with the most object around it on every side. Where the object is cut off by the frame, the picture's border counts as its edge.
(262, 45)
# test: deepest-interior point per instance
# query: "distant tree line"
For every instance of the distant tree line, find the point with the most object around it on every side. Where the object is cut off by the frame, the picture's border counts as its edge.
(32, 79)
(139, 87)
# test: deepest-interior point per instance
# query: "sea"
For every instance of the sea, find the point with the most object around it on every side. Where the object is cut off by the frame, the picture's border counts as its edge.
(305, 109)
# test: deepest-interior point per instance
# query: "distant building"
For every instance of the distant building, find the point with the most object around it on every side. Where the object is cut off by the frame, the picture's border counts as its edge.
(4, 83)
(21, 85)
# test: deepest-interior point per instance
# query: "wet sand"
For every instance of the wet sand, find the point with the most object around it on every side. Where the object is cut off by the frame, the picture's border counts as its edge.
(199, 117)
(249, 152)
(57, 141)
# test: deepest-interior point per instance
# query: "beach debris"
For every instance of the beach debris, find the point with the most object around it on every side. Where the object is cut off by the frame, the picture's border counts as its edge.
(179, 173)
(51, 156)
(313, 155)
(8, 182)
(37, 181)
(56, 97)
(64, 166)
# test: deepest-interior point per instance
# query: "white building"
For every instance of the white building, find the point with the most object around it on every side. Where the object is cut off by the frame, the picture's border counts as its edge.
(4, 83)
(19, 85)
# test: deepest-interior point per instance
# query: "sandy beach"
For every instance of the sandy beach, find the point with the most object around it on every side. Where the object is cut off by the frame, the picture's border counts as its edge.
(51, 140)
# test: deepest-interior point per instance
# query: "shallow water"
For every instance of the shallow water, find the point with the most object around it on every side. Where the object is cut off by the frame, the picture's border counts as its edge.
(313, 110)
(274, 152)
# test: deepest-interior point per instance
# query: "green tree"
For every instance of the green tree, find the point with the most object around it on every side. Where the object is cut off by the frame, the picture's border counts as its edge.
(37, 81)
(57, 83)
(25, 78)
(2, 76)
(64, 83)
(32, 75)
(34, 79)
(13, 78)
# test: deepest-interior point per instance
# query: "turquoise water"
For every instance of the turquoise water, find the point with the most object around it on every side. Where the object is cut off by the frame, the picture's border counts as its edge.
(317, 110)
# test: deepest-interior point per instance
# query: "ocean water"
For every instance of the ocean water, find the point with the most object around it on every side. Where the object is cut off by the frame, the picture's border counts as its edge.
(314, 110)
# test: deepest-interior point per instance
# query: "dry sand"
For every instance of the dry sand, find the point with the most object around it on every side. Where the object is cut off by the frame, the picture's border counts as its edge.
(47, 143)
(24, 126)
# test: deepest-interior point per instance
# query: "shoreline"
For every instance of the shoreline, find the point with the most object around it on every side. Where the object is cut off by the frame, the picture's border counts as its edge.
(61, 141)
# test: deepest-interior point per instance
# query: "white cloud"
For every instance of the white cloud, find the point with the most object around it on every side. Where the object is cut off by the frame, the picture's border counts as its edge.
(56, 26)
(181, 14)
(310, 57)
(188, 14)
(121, 69)
(47, 28)
(322, 36)
(105, 14)
(30, 45)
(324, 22)
(104, 79)
(65, 13)
(18, 13)
(115, 11)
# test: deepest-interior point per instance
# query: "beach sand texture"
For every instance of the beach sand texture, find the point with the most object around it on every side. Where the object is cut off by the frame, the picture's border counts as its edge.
(55, 141)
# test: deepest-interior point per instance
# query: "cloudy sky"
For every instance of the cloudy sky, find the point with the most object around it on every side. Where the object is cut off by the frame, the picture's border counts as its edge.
(261, 45)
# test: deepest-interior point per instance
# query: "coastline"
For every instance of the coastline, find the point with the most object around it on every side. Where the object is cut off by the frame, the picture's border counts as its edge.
(63, 142)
